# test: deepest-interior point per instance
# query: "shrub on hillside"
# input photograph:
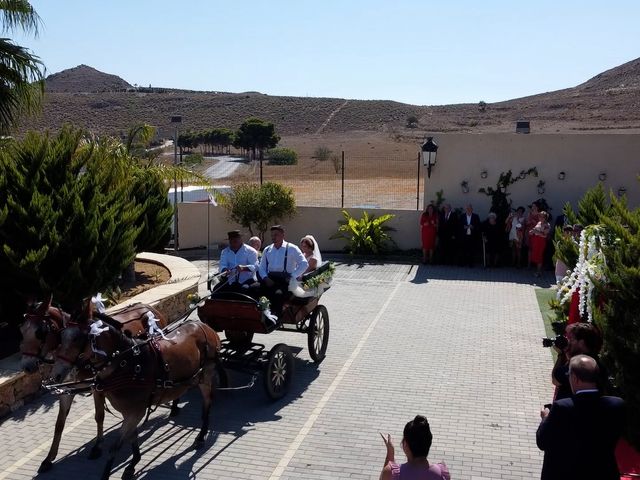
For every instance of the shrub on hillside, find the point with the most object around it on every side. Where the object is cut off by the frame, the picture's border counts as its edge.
(322, 154)
(282, 156)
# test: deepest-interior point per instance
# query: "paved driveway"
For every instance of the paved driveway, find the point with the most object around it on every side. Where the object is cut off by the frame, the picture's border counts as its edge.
(459, 346)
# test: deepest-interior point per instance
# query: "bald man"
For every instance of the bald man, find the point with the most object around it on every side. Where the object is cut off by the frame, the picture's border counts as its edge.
(579, 434)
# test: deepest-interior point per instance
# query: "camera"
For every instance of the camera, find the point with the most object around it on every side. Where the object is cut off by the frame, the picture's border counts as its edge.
(560, 342)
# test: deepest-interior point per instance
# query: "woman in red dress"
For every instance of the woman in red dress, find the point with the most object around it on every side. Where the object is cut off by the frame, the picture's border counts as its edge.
(428, 230)
(538, 241)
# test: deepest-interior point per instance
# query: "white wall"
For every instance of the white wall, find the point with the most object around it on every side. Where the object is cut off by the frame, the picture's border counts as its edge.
(320, 222)
(581, 156)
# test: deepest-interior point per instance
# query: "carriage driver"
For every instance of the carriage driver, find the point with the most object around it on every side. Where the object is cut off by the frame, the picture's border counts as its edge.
(240, 261)
(280, 262)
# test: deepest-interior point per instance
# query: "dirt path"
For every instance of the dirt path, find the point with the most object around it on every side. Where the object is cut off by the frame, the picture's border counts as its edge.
(326, 122)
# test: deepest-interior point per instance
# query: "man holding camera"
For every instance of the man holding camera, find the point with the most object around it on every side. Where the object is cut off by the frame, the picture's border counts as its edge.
(279, 263)
(579, 434)
(582, 338)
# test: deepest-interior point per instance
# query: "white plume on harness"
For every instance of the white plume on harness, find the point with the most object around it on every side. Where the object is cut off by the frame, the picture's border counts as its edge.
(154, 327)
(98, 302)
(97, 328)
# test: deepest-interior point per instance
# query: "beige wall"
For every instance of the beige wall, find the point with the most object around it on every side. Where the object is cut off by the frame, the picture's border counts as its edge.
(581, 156)
(320, 222)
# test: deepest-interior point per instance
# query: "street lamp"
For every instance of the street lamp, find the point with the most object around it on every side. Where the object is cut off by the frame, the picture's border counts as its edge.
(175, 120)
(429, 154)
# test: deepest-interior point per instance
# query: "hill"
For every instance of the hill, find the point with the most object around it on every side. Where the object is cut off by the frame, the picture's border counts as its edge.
(84, 79)
(109, 105)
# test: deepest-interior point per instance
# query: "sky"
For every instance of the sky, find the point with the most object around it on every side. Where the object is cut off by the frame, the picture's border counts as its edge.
(420, 52)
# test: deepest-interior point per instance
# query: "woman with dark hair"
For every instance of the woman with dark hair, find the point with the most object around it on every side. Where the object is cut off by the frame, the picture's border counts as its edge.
(416, 443)
(428, 230)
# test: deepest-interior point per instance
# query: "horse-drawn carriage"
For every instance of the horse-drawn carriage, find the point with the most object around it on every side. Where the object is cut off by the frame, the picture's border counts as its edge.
(241, 316)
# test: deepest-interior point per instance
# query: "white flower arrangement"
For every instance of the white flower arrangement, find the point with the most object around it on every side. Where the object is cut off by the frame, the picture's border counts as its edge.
(588, 270)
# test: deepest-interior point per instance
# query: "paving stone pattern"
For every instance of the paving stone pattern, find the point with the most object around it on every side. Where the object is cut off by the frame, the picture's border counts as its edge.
(457, 345)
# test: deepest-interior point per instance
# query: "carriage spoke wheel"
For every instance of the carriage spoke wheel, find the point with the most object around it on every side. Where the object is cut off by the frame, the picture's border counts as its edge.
(318, 333)
(279, 371)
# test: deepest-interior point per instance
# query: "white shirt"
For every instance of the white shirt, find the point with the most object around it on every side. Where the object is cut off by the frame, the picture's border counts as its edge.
(273, 260)
(245, 256)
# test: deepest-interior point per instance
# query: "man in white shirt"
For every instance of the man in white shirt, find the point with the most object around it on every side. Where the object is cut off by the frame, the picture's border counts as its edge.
(240, 261)
(280, 262)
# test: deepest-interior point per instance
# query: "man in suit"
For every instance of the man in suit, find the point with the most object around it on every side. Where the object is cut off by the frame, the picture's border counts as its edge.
(447, 231)
(470, 235)
(579, 434)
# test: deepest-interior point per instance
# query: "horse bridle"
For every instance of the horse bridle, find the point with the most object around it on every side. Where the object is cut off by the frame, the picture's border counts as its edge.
(45, 325)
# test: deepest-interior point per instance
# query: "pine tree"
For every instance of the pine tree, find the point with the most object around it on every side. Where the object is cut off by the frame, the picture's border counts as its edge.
(67, 215)
(620, 315)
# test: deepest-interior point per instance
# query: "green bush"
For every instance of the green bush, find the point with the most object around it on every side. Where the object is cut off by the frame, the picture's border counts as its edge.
(257, 207)
(193, 159)
(282, 156)
(366, 235)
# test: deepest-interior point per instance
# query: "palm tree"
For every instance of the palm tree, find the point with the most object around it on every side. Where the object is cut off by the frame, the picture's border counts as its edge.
(21, 72)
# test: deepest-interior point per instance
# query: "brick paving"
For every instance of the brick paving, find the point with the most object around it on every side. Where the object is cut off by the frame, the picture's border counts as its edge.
(460, 346)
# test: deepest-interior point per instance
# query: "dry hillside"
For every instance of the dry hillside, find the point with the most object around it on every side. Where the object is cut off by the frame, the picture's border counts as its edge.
(107, 104)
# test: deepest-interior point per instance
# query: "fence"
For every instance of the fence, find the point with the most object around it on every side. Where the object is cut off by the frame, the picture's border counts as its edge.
(344, 180)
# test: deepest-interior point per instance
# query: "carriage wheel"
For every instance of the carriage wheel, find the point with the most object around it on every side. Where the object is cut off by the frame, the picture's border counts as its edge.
(220, 377)
(318, 333)
(239, 339)
(279, 371)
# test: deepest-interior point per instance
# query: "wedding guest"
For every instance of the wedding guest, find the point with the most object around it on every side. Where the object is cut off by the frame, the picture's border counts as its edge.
(532, 220)
(428, 230)
(515, 228)
(447, 226)
(416, 443)
(470, 235)
(538, 241)
(492, 236)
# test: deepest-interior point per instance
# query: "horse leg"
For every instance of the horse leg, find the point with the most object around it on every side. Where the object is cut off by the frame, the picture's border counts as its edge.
(175, 409)
(128, 428)
(206, 389)
(130, 470)
(98, 401)
(64, 405)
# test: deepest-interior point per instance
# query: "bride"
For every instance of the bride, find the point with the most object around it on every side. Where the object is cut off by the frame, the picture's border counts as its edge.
(311, 252)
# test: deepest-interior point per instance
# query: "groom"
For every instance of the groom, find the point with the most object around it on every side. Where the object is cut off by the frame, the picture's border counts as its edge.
(279, 263)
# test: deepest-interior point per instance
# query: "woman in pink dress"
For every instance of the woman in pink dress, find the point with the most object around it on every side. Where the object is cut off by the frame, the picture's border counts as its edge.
(538, 241)
(428, 230)
(416, 442)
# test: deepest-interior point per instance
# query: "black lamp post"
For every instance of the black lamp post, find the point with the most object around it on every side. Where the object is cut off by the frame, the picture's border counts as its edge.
(429, 154)
(175, 120)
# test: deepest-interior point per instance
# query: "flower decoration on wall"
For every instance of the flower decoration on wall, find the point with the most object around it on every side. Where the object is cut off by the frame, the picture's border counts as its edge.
(603, 176)
(484, 174)
(561, 176)
(465, 186)
(541, 187)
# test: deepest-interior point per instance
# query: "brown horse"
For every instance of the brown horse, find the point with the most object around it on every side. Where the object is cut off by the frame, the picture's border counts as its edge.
(41, 336)
(137, 375)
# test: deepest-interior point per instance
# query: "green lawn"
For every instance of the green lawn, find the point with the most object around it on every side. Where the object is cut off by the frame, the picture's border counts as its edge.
(543, 295)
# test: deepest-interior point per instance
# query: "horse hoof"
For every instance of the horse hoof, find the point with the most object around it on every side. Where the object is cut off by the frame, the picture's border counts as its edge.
(175, 411)
(129, 473)
(95, 453)
(45, 466)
